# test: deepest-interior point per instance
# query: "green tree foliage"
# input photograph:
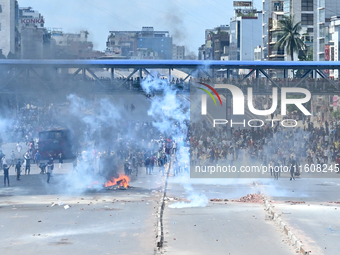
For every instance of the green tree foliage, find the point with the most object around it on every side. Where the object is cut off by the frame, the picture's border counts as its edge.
(291, 38)
(2, 56)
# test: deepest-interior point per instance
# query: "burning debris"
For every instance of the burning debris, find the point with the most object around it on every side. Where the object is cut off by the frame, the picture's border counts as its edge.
(250, 198)
(121, 181)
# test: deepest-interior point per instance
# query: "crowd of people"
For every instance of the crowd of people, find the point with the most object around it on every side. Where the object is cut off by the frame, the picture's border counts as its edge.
(267, 145)
(138, 144)
(23, 130)
(29, 121)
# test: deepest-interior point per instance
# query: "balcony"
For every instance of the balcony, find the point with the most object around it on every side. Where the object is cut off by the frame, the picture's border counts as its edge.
(276, 25)
(277, 53)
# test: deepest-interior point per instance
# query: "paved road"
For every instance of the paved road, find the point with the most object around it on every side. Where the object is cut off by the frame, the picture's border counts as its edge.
(239, 228)
(307, 207)
(97, 221)
(221, 227)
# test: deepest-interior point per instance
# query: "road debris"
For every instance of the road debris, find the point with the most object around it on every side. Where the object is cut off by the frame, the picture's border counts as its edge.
(250, 198)
(295, 202)
(218, 200)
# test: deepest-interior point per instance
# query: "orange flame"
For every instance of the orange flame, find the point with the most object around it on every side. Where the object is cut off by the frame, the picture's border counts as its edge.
(122, 180)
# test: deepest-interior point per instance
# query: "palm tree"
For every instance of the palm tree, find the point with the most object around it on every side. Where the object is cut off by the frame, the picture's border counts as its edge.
(290, 39)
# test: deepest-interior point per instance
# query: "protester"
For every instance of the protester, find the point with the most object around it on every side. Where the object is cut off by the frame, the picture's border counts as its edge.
(6, 174)
(50, 166)
(18, 169)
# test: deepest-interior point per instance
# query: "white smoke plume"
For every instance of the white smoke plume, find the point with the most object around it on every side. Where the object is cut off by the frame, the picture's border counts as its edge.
(196, 199)
(87, 123)
(172, 116)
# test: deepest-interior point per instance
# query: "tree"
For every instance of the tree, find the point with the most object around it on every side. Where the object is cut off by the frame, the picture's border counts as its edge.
(11, 55)
(2, 56)
(290, 39)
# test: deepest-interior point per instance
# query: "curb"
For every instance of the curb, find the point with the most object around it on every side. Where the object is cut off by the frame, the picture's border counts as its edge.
(160, 211)
(272, 215)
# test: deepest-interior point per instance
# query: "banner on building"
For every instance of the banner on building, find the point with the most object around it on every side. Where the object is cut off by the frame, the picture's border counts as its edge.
(336, 56)
(335, 101)
(326, 52)
(32, 21)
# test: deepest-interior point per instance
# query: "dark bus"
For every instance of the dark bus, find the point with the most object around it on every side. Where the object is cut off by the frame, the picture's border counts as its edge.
(55, 141)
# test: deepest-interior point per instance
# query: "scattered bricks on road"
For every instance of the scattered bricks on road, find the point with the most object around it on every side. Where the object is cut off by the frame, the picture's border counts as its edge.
(250, 198)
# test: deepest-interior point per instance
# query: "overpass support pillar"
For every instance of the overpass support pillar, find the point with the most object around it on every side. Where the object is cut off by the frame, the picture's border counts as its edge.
(112, 74)
(257, 79)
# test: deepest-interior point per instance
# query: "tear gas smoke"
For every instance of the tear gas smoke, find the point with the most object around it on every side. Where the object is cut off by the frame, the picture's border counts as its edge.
(172, 117)
(88, 127)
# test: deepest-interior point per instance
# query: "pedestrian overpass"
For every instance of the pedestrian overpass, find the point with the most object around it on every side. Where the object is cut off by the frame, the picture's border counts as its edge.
(73, 76)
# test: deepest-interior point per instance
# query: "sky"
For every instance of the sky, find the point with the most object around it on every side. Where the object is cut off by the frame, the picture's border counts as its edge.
(186, 20)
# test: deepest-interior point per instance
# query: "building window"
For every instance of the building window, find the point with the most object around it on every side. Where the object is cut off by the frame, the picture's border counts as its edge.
(0, 8)
(0, 26)
(286, 6)
(322, 17)
(307, 5)
(307, 19)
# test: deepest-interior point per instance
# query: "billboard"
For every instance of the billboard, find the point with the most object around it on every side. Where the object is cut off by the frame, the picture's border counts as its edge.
(243, 4)
(245, 11)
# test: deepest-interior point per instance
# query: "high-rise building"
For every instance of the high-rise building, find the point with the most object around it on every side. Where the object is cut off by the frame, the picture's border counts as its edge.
(30, 18)
(32, 33)
(332, 49)
(245, 31)
(323, 12)
(178, 52)
(156, 41)
(272, 13)
(72, 45)
(7, 26)
(314, 16)
(147, 43)
(304, 12)
(216, 43)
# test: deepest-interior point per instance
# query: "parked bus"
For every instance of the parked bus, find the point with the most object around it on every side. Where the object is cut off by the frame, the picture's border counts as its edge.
(54, 142)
